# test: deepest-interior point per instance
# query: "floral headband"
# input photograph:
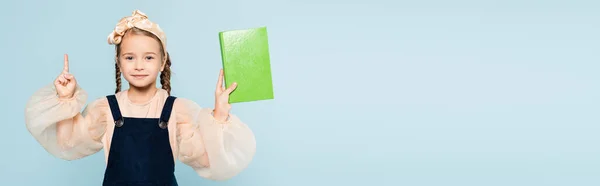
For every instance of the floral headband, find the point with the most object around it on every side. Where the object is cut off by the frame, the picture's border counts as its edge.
(138, 20)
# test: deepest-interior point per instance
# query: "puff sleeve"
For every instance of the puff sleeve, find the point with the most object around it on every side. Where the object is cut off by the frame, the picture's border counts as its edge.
(215, 150)
(60, 128)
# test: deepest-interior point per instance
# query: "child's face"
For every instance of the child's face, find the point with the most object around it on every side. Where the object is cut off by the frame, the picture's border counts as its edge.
(140, 60)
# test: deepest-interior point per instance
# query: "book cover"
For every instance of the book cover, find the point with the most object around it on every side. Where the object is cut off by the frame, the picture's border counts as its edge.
(245, 59)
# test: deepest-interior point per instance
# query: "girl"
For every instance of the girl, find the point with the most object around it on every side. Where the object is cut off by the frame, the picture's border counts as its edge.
(142, 130)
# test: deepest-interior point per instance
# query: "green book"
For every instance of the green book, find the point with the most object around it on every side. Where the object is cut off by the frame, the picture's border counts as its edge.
(246, 60)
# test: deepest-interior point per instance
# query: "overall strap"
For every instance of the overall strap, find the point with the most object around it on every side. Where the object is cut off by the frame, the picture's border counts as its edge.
(166, 112)
(114, 107)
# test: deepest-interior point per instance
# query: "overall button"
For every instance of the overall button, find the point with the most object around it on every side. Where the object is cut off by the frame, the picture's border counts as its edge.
(119, 123)
(162, 124)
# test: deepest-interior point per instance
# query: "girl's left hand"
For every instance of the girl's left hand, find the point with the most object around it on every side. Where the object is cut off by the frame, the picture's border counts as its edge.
(222, 106)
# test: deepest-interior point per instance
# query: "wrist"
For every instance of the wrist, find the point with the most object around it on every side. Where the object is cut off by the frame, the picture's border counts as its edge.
(65, 97)
(220, 116)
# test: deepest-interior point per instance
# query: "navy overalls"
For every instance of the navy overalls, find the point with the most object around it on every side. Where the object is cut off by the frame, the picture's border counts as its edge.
(140, 152)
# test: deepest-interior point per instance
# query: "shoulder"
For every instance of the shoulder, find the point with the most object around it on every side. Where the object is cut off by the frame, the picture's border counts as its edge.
(188, 111)
(185, 105)
(98, 106)
(100, 101)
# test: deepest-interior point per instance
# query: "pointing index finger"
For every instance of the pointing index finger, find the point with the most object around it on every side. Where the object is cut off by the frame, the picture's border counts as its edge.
(66, 65)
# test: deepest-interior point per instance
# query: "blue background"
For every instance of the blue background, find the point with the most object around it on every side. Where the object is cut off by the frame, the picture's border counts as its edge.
(379, 92)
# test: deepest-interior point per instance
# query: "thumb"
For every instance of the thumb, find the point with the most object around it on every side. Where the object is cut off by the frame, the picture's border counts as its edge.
(231, 88)
(68, 76)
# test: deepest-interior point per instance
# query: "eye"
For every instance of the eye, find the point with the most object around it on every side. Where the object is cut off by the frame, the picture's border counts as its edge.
(149, 58)
(128, 58)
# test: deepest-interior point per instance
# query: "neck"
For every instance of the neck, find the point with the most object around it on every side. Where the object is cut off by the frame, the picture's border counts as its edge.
(141, 94)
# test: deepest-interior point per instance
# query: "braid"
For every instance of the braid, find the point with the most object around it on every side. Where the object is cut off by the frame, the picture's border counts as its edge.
(165, 76)
(118, 78)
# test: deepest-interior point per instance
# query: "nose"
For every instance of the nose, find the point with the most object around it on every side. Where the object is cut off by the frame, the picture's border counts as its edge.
(139, 65)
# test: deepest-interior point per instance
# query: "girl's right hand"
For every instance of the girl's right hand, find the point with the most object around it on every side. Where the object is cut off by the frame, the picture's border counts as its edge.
(65, 83)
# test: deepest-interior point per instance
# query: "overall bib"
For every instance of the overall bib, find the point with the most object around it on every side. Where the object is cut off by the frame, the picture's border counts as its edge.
(140, 152)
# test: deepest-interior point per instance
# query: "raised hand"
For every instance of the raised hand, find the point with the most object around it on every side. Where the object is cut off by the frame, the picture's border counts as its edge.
(222, 105)
(65, 83)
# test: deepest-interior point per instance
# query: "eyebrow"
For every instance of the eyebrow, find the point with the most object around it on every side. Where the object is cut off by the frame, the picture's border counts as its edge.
(131, 53)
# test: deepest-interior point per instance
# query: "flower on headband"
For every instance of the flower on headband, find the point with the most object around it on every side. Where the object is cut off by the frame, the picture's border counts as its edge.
(138, 20)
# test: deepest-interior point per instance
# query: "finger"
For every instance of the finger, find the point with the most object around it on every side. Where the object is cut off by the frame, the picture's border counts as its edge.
(68, 76)
(220, 81)
(66, 63)
(58, 81)
(62, 80)
(231, 88)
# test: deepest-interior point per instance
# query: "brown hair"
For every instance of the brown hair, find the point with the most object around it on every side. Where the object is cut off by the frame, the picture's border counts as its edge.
(165, 75)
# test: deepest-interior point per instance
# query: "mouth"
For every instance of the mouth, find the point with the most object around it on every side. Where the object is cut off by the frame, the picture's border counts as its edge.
(139, 76)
